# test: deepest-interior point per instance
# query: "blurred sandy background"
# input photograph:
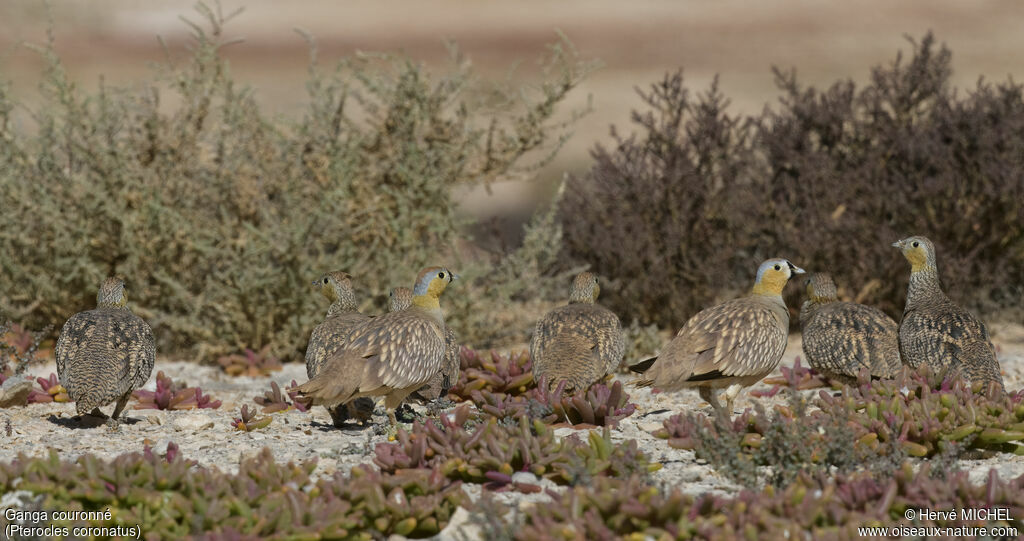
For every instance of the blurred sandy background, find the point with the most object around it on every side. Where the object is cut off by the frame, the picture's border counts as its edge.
(637, 41)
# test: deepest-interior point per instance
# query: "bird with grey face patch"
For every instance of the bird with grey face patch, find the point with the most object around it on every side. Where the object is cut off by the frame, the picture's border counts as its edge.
(391, 355)
(342, 316)
(104, 354)
(578, 343)
(732, 345)
(938, 332)
(400, 298)
(840, 339)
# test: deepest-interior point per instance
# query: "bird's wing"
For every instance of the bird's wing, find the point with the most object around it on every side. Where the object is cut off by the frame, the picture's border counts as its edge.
(402, 349)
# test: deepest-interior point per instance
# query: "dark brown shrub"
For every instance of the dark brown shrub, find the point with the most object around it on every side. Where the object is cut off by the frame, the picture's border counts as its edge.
(681, 214)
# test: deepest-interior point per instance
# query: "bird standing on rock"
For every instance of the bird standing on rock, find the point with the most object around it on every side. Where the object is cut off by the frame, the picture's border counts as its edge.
(391, 355)
(328, 336)
(400, 298)
(734, 344)
(937, 332)
(104, 354)
(841, 338)
(580, 342)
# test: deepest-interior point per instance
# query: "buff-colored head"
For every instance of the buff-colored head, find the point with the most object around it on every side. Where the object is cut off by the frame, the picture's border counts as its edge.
(430, 283)
(821, 288)
(772, 276)
(399, 298)
(919, 251)
(111, 293)
(336, 286)
(584, 288)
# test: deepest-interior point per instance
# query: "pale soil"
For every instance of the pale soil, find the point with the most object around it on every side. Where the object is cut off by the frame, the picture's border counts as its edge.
(206, 435)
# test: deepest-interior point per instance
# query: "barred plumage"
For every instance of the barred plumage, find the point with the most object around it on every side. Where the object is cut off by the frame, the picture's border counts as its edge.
(580, 342)
(733, 344)
(106, 353)
(342, 316)
(936, 331)
(391, 355)
(400, 298)
(841, 338)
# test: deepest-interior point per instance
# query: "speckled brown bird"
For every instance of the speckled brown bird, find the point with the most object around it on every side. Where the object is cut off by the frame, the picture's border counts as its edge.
(342, 317)
(937, 332)
(578, 343)
(400, 298)
(104, 354)
(391, 355)
(840, 339)
(733, 344)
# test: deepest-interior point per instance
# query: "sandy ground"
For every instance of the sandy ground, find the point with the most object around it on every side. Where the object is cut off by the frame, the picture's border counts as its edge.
(206, 435)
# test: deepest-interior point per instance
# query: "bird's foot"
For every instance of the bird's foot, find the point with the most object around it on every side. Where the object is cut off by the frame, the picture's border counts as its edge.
(406, 414)
(113, 425)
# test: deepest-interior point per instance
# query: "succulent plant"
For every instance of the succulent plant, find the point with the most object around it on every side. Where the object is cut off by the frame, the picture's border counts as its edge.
(19, 347)
(493, 451)
(825, 507)
(248, 421)
(169, 497)
(50, 391)
(172, 395)
(274, 400)
(598, 405)
(250, 363)
(511, 374)
(877, 422)
(797, 377)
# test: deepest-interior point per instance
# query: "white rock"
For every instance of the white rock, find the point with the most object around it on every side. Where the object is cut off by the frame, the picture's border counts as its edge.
(193, 422)
(460, 523)
(650, 426)
(525, 477)
(14, 392)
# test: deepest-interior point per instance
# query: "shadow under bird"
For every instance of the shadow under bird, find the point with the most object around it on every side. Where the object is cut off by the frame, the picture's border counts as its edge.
(342, 316)
(104, 354)
(391, 355)
(840, 339)
(400, 298)
(935, 330)
(578, 343)
(731, 345)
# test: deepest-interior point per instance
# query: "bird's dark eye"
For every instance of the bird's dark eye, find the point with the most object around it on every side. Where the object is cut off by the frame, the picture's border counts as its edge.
(778, 267)
(440, 275)
(916, 244)
(325, 279)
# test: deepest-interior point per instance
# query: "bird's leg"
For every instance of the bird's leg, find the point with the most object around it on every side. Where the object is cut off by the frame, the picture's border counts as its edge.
(393, 426)
(121, 402)
(730, 396)
(709, 396)
(339, 414)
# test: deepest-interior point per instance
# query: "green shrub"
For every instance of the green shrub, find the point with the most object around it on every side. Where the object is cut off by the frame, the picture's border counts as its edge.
(218, 214)
(680, 214)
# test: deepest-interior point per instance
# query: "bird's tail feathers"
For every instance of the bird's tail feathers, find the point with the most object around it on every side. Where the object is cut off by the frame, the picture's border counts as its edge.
(643, 366)
(337, 382)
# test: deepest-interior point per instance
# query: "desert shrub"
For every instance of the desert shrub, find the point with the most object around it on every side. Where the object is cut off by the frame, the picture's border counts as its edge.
(680, 213)
(170, 497)
(218, 214)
